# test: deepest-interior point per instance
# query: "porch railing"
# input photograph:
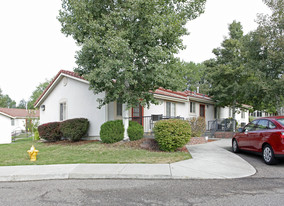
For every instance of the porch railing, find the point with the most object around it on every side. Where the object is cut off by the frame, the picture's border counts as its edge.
(148, 122)
(221, 125)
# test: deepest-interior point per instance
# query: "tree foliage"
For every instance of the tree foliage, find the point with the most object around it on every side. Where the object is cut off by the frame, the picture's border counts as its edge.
(6, 101)
(227, 74)
(196, 76)
(37, 92)
(249, 69)
(128, 47)
(265, 59)
(22, 104)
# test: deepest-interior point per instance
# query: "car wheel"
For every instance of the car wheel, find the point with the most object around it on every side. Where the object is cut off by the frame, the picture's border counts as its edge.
(235, 146)
(268, 155)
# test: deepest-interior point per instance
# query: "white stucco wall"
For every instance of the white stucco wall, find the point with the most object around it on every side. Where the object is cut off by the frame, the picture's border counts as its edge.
(181, 109)
(155, 109)
(5, 130)
(80, 103)
(20, 125)
(224, 113)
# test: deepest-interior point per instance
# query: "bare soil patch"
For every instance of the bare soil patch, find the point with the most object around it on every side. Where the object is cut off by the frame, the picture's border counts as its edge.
(144, 143)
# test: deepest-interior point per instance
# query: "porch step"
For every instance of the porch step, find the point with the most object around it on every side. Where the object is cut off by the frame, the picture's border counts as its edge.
(149, 135)
(208, 134)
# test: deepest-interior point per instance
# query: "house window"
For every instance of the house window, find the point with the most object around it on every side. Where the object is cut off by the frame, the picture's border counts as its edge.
(216, 113)
(170, 109)
(192, 107)
(243, 114)
(136, 111)
(12, 122)
(259, 114)
(63, 111)
(118, 109)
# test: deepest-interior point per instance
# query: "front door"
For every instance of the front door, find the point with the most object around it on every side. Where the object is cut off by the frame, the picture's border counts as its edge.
(137, 114)
(202, 110)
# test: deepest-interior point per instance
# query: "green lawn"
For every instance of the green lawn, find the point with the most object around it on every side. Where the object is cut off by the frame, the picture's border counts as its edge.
(95, 152)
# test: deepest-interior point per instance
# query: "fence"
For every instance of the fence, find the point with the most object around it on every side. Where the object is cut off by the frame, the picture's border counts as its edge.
(221, 125)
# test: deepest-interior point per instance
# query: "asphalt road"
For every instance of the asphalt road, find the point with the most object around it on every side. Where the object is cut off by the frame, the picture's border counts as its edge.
(247, 191)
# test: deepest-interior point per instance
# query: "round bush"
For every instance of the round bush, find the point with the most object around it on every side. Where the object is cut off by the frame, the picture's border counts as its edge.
(172, 134)
(135, 131)
(112, 131)
(74, 129)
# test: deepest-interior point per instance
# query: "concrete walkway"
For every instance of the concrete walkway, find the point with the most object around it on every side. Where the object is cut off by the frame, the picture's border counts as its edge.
(210, 161)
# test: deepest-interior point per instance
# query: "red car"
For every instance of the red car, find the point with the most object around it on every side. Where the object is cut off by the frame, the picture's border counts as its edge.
(263, 135)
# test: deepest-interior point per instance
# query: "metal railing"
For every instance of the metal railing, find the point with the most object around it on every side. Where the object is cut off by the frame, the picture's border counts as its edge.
(221, 125)
(148, 122)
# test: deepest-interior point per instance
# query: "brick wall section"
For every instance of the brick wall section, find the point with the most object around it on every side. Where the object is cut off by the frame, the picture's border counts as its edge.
(197, 140)
(226, 135)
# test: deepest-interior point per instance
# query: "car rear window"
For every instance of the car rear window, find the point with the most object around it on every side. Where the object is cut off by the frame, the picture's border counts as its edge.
(281, 121)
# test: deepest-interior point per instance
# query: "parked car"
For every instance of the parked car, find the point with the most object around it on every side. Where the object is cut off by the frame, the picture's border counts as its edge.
(264, 136)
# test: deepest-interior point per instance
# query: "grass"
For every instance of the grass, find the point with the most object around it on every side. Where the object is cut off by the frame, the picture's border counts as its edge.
(94, 152)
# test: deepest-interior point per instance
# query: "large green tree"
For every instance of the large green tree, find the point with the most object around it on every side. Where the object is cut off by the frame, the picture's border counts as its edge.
(226, 73)
(265, 59)
(128, 46)
(22, 104)
(196, 77)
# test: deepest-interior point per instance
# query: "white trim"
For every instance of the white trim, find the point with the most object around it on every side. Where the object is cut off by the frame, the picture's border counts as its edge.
(196, 99)
(169, 98)
(7, 115)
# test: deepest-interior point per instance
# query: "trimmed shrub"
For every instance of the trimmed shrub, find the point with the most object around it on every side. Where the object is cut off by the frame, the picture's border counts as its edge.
(135, 131)
(74, 129)
(172, 134)
(198, 126)
(112, 131)
(50, 131)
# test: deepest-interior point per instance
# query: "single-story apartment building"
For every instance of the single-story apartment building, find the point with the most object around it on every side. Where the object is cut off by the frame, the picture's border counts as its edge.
(68, 96)
(14, 121)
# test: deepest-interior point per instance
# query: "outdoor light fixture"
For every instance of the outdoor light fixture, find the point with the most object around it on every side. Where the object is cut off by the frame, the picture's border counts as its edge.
(42, 107)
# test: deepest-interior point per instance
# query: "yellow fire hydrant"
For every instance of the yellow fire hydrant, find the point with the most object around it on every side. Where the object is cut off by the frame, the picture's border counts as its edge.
(33, 153)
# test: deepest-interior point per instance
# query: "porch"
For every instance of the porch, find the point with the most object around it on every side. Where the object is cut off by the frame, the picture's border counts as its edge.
(221, 128)
(148, 122)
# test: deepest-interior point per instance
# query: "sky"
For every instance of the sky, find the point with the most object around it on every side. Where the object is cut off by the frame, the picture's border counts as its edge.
(33, 49)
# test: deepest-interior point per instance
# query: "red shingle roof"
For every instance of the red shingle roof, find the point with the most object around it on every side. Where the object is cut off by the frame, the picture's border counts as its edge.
(198, 95)
(161, 91)
(171, 93)
(19, 113)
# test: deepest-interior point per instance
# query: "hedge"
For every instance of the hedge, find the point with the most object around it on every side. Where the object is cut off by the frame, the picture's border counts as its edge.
(50, 131)
(74, 129)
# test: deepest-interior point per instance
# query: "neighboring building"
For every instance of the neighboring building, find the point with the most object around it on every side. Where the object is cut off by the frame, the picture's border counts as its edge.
(13, 121)
(257, 114)
(68, 96)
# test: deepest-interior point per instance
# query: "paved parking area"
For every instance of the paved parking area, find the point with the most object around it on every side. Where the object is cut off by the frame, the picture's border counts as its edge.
(263, 170)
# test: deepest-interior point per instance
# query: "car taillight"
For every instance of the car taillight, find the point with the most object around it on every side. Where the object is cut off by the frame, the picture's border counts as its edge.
(282, 134)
